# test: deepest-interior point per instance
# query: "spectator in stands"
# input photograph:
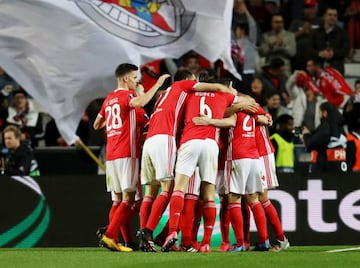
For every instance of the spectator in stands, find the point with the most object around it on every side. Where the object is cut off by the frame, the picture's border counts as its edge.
(330, 42)
(5, 79)
(257, 90)
(274, 78)
(352, 108)
(339, 5)
(194, 62)
(303, 42)
(241, 15)
(327, 142)
(352, 16)
(243, 53)
(310, 16)
(305, 103)
(261, 15)
(278, 43)
(19, 158)
(4, 107)
(272, 6)
(353, 147)
(274, 108)
(283, 142)
(23, 114)
(326, 81)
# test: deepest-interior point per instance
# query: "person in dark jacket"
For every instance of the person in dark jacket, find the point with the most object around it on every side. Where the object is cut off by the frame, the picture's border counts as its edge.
(327, 142)
(19, 158)
(330, 41)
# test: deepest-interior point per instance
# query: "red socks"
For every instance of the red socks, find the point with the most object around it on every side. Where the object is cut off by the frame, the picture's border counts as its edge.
(260, 221)
(113, 208)
(145, 210)
(209, 221)
(176, 207)
(157, 210)
(118, 219)
(273, 218)
(187, 219)
(237, 222)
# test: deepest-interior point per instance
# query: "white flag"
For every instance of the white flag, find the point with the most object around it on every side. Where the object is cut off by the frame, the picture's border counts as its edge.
(64, 52)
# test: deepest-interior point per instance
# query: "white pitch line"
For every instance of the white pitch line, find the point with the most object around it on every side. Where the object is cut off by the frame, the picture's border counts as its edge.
(342, 250)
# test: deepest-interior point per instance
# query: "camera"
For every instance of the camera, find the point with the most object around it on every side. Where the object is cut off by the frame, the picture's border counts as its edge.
(297, 131)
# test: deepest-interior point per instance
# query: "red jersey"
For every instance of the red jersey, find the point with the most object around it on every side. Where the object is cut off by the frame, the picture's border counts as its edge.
(120, 126)
(169, 108)
(242, 138)
(211, 104)
(263, 142)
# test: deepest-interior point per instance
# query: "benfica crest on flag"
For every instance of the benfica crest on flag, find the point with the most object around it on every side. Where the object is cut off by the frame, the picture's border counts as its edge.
(145, 23)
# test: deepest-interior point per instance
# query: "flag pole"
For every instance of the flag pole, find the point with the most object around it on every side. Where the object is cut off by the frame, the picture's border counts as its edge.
(91, 154)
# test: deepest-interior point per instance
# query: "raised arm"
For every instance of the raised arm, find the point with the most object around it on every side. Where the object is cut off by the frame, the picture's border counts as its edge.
(141, 101)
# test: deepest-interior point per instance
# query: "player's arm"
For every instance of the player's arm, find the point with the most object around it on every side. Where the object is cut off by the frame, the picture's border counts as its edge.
(141, 101)
(202, 86)
(226, 122)
(99, 122)
(243, 103)
(265, 120)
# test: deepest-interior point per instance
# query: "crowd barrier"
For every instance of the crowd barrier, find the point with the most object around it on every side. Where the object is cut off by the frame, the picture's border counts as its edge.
(65, 211)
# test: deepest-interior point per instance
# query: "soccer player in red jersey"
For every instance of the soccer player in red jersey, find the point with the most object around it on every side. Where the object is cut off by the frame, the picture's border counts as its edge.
(159, 150)
(118, 116)
(266, 151)
(198, 147)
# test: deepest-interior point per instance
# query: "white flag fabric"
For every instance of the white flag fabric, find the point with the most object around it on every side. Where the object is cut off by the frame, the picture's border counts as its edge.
(64, 52)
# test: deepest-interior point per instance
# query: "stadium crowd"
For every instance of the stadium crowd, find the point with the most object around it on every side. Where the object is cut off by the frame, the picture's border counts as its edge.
(292, 97)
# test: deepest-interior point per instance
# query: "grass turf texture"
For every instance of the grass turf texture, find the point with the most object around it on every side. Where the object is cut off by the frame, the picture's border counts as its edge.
(314, 256)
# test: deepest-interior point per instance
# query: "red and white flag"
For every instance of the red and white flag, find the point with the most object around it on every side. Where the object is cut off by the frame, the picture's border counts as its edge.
(64, 52)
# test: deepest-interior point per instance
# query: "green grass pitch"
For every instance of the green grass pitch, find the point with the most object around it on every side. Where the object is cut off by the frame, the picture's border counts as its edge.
(310, 256)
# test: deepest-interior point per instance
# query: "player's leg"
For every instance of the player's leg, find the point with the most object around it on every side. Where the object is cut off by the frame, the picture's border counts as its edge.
(126, 184)
(158, 208)
(253, 187)
(176, 207)
(188, 213)
(260, 221)
(209, 214)
(271, 181)
(188, 155)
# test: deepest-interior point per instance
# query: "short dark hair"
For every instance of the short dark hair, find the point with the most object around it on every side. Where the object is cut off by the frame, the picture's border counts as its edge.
(243, 26)
(20, 90)
(182, 74)
(207, 75)
(284, 119)
(275, 63)
(357, 82)
(125, 68)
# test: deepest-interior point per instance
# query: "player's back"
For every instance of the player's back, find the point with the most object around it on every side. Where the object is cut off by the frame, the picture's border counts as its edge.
(243, 142)
(120, 121)
(169, 108)
(211, 104)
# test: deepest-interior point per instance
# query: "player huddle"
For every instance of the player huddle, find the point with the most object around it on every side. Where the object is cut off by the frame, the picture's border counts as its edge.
(202, 138)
